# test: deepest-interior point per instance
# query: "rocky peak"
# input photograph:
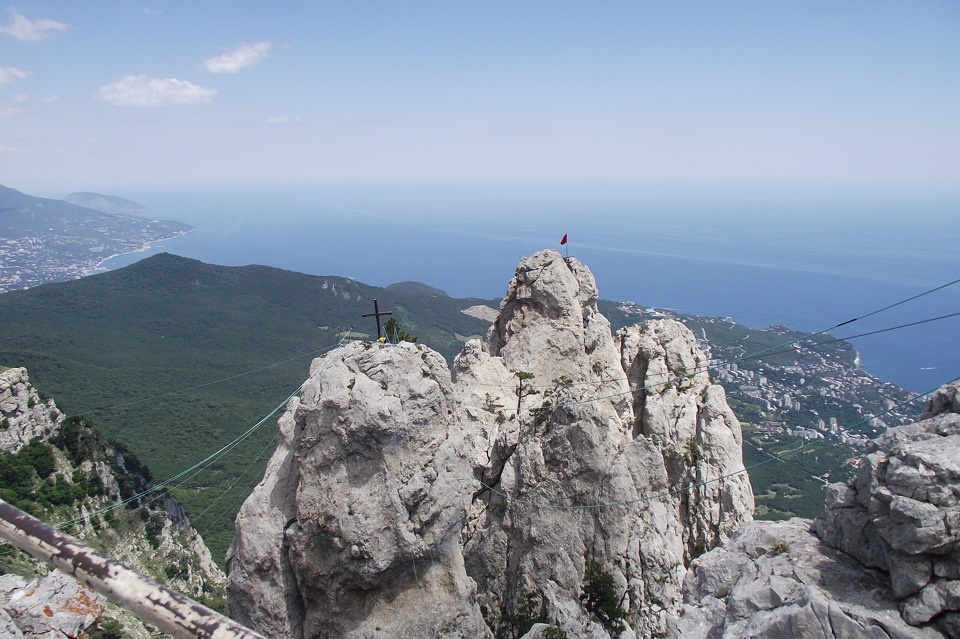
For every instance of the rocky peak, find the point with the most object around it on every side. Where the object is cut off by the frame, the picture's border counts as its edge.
(550, 316)
(545, 467)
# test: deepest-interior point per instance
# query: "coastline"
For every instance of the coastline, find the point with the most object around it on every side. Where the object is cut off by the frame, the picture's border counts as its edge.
(100, 268)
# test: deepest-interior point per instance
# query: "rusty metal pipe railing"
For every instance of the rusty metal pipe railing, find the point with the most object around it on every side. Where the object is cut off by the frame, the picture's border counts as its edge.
(170, 611)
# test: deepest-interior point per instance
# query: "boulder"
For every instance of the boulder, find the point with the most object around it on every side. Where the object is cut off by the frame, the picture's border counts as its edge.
(777, 580)
(58, 606)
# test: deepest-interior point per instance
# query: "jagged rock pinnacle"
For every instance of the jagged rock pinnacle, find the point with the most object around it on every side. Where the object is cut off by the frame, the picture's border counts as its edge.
(416, 500)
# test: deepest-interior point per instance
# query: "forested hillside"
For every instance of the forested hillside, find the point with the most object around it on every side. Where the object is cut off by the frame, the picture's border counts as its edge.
(176, 358)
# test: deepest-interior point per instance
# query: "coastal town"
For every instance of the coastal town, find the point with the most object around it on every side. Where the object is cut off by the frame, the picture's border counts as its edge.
(43, 240)
(30, 261)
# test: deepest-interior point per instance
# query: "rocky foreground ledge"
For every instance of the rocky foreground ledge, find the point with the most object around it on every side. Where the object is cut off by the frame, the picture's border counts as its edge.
(883, 560)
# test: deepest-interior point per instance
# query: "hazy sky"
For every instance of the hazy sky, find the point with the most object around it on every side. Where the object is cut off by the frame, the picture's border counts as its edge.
(106, 94)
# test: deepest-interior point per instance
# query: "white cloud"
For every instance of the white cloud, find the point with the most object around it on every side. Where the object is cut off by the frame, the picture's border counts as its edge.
(242, 56)
(22, 28)
(283, 119)
(9, 74)
(10, 149)
(21, 97)
(50, 99)
(11, 112)
(145, 91)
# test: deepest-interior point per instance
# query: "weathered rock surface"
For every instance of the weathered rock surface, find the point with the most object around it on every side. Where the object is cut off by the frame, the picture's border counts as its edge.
(777, 580)
(594, 472)
(55, 607)
(885, 561)
(355, 528)
(902, 513)
(409, 499)
(23, 414)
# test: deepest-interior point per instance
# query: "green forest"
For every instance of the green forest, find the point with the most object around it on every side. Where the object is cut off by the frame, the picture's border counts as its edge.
(176, 358)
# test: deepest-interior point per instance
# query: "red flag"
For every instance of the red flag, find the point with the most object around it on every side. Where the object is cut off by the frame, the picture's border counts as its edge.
(564, 240)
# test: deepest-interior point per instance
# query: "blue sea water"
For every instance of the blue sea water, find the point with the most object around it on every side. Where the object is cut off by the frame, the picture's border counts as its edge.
(809, 262)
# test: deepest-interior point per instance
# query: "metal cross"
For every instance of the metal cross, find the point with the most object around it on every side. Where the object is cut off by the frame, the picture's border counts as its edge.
(377, 313)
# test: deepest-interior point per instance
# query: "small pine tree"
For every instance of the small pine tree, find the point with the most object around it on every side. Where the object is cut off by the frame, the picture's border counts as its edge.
(395, 334)
(600, 598)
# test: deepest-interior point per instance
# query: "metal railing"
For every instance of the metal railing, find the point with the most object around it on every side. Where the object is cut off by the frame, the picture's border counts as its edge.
(169, 610)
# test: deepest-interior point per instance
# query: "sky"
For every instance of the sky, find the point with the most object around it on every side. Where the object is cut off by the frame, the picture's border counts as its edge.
(106, 95)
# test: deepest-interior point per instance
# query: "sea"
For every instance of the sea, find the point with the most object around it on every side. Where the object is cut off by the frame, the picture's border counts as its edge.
(810, 261)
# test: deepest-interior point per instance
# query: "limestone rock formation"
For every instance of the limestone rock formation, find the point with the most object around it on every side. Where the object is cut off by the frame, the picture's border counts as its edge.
(24, 416)
(885, 561)
(553, 474)
(777, 580)
(901, 514)
(609, 464)
(354, 529)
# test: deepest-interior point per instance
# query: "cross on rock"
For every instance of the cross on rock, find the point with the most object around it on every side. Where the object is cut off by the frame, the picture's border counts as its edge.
(377, 313)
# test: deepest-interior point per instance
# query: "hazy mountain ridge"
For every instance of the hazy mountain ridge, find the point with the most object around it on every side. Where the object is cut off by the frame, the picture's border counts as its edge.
(416, 288)
(105, 203)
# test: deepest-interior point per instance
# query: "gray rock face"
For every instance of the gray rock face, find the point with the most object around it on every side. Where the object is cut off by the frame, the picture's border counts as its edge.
(777, 580)
(23, 415)
(56, 607)
(409, 499)
(354, 529)
(885, 563)
(698, 435)
(591, 474)
(902, 513)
